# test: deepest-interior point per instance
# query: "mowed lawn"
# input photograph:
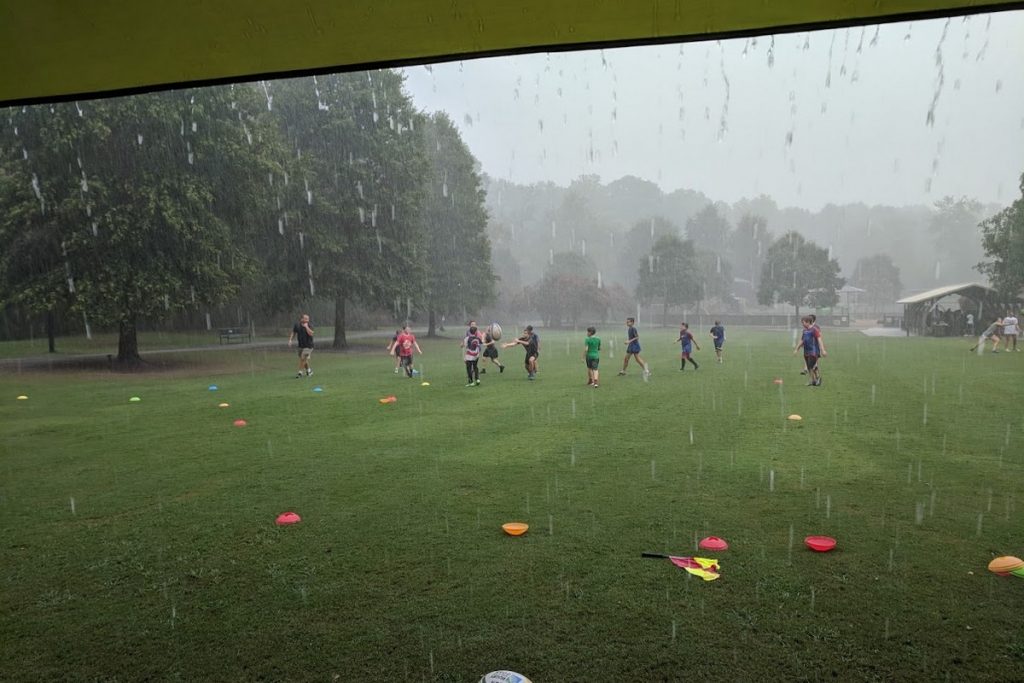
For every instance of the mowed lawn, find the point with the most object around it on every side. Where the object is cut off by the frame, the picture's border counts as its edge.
(138, 539)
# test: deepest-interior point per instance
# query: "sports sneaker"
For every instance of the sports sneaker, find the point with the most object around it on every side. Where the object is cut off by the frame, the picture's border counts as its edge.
(622, 373)
(483, 371)
(470, 384)
(309, 372)
(501, 369)
(396, 371)
(478, 382)
(298, 376)
(595, 385)
(803, 372)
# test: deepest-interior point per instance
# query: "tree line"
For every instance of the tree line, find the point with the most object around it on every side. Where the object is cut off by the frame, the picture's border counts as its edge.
(131, 209)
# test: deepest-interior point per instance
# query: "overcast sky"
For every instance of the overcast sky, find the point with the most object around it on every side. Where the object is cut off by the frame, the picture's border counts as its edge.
(809, 118)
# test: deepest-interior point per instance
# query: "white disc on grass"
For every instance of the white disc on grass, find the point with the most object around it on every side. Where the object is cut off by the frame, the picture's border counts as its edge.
(504, 677)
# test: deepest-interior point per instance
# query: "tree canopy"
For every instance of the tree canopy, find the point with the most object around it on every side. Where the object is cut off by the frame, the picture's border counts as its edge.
(800, 273)
(1003, 242)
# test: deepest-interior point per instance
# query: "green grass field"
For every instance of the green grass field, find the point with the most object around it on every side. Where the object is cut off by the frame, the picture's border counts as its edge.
(139, 540)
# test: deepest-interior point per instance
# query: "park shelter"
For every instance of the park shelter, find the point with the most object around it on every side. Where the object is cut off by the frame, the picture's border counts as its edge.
(922, 314)
(59, 50)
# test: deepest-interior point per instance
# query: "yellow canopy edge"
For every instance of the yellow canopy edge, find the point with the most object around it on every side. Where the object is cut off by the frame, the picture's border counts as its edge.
(61, 49)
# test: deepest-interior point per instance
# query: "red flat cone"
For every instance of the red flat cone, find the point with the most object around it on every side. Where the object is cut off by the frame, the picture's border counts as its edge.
(287, 518)
(713, 543)
(240, 423)
(821, 544)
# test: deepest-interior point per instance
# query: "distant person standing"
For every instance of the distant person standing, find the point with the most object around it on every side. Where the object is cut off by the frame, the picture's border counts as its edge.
(688, 342)
(592, 356)
(1010, 331)
(633, 348)
(814, 348)
(970, 324)
(406, 343)
(304, 333)
(718, 336)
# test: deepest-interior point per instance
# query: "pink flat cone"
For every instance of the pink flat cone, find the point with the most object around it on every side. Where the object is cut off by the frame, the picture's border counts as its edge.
(287, 518)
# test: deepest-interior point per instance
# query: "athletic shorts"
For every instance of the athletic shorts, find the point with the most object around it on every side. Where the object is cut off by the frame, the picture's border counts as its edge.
(490, 352)
(633, 348)
(406, 360)
(592, 363)
(810, 361)
(684, 354)
(305, 352)
(719, 344)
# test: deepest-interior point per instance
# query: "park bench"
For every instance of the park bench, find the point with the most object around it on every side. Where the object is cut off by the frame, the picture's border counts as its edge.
(230, 334)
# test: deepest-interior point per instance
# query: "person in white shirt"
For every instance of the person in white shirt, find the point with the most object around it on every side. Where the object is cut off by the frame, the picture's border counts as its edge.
(1010, 326)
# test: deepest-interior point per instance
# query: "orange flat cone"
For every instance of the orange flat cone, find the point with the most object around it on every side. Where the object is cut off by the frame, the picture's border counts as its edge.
(515, 528)
(240, 423)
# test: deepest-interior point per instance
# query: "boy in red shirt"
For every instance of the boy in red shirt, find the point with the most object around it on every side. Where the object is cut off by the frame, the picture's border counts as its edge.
(406, 343)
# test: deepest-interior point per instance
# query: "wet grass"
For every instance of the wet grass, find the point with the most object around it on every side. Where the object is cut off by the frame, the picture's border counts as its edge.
(138, 538)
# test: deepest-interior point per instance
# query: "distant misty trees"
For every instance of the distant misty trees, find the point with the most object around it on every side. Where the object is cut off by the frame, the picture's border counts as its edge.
(879, 277)
(139, 208)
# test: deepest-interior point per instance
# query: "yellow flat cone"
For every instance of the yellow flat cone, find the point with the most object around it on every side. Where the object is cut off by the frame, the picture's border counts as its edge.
(425, 384)
(223, 405)
(795, 417)
(23, 397)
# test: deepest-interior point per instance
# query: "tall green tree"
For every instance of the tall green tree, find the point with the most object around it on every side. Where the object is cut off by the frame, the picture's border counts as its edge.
(458, 277)
(153, 198)
(353, 210)
(1003, 242)
(32, 265)
(670, 273)
(800, 273)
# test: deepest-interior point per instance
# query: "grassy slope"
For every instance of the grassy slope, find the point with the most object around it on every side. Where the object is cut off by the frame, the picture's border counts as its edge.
(171, 565)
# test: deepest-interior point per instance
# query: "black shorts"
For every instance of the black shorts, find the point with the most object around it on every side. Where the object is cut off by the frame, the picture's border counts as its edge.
(810, 361)
(406, 360)
(592, 363)
(490, 352)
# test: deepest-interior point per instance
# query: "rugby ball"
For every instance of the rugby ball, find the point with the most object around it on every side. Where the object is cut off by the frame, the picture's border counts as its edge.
(504, 677)
(495, 330)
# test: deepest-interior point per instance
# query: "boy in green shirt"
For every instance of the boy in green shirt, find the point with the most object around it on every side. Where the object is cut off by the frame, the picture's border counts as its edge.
(592, 356)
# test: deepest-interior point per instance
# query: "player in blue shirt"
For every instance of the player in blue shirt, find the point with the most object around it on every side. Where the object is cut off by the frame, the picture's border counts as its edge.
(718, 335)
(633, 348)
(814, 348)
(689, 343)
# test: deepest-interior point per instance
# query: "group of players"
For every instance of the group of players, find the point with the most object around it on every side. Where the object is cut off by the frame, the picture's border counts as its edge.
(1002, 329)
(479, 343)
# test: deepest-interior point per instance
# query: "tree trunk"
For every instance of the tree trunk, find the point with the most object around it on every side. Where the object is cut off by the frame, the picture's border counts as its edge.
(339, 322)
(49, 331)
(128, 343)
(431, 322)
